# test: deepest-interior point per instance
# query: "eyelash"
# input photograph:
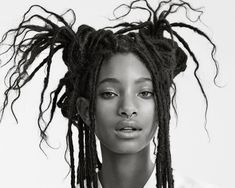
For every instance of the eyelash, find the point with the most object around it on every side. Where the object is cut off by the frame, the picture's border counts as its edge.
(105, 93)
(109, 93)
(148, 92)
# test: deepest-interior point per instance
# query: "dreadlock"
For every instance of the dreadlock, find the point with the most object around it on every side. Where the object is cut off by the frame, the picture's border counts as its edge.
(83, 53)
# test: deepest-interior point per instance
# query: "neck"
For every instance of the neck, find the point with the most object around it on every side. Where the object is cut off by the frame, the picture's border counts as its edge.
(125, 170)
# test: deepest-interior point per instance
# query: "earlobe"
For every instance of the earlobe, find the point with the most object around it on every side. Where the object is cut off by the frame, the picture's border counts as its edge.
(82, 106)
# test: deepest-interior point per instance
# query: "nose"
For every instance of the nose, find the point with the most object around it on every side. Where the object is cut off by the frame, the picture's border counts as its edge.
(127, 107)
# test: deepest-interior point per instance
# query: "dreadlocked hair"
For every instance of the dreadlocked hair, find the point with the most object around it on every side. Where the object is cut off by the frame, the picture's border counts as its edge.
(83, 53)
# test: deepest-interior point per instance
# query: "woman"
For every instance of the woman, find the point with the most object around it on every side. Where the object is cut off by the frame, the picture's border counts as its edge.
(117, 87)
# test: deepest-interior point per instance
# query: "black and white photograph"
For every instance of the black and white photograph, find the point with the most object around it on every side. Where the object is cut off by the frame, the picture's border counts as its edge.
(117, 94)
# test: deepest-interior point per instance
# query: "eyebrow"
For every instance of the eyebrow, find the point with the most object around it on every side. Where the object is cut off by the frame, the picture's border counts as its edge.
(116, 81)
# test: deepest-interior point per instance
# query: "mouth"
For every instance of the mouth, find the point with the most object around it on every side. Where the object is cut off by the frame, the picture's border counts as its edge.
(128, 130)
(128, 126)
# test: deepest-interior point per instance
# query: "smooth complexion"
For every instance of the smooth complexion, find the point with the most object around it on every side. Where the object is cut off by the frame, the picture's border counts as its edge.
(125, 121)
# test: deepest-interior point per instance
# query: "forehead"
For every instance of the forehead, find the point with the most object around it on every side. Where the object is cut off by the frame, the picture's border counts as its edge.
(124, 66)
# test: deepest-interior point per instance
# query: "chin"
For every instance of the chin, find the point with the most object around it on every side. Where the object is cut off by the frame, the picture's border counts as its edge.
(127, 148)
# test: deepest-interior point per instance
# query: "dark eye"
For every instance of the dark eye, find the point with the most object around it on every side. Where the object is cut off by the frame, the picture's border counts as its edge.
(108, 95)
(146, 94)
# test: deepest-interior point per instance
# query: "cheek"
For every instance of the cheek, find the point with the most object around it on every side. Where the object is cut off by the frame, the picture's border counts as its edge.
(149, 117)
(105, 113)
(147, 110)
(104, 110)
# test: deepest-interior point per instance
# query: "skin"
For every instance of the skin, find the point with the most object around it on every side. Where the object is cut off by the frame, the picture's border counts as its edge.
(126, 160)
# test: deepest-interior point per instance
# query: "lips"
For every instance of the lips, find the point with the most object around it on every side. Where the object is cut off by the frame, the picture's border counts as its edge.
(128, 130)
(128, 126)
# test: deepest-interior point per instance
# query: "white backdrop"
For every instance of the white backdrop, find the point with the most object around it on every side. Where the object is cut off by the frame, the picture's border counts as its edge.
(22, 163)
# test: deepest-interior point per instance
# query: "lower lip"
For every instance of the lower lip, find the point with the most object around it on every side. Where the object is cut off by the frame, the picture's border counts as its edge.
(128, 134)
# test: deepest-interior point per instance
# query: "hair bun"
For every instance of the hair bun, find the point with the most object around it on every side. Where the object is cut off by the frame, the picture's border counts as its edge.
(181, 59)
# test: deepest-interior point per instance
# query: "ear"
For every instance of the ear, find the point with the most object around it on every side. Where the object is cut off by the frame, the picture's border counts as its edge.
(82, 106)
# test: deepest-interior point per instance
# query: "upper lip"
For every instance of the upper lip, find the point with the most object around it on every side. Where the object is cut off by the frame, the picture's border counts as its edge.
(127, 124)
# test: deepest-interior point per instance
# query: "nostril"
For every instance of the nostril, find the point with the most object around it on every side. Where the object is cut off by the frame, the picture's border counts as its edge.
(129, 115)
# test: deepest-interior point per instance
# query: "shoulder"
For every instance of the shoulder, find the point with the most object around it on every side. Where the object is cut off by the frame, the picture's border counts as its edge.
(189, 182)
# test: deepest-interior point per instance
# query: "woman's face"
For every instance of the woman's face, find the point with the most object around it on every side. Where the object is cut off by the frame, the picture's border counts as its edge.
(125, 89)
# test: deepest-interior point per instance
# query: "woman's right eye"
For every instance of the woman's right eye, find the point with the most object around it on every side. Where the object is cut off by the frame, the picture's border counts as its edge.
(108, 95)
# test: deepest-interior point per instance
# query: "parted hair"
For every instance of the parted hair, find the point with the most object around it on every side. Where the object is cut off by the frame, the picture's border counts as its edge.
(154, 41)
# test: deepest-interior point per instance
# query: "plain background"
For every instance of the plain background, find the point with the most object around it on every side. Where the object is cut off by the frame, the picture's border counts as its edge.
(23, 164)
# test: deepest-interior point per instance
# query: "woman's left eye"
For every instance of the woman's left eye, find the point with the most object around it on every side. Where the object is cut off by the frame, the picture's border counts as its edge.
(146, 94)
